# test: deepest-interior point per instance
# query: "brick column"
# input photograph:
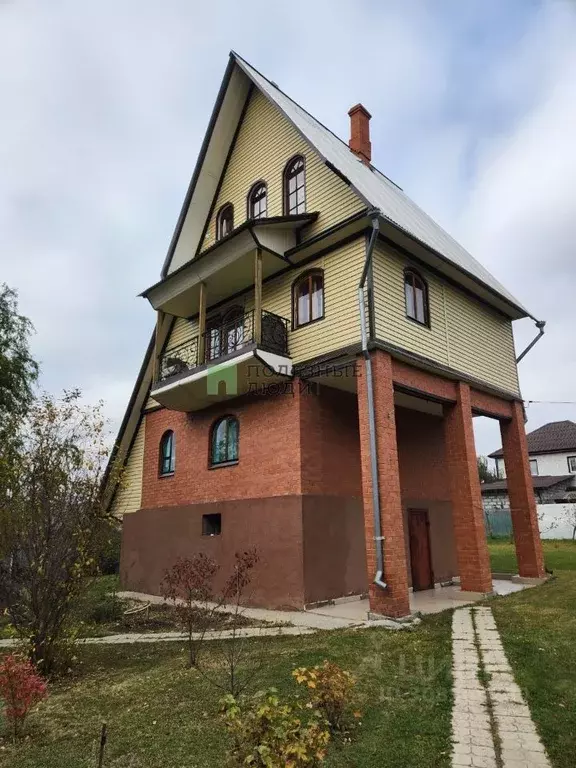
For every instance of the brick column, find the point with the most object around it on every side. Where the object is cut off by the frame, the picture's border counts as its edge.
(521, 495)
(394, 600)
(467, 512)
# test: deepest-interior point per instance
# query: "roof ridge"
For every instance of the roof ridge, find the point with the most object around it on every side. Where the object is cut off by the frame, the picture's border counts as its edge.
(380, 193)
(312, 117)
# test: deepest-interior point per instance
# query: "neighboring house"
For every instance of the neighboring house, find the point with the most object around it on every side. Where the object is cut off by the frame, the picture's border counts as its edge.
(552, 454)
(552, 450)
(320, 351)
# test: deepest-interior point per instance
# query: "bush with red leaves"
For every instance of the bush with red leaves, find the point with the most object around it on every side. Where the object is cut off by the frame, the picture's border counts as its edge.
(21, 688)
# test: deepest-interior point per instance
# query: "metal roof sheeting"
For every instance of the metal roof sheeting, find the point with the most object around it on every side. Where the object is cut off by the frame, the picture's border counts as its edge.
(376, 189)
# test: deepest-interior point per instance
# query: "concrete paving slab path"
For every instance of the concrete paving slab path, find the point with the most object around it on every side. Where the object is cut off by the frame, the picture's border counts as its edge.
(491, 723)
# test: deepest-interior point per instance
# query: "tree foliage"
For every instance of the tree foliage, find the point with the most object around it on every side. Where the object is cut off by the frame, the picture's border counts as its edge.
(484, 471)
(18, 370)
(21, 688)
(52, 521)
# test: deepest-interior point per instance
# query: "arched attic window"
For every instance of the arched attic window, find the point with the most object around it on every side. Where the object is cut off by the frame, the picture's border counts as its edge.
(295, 186)
(258, 201)
(224, 221)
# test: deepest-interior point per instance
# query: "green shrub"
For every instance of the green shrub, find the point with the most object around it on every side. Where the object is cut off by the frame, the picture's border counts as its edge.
(109, 557)
(104, 609)
(269, 733)
(331, 691)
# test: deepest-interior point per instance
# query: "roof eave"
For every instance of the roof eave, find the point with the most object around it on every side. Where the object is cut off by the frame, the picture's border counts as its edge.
(199, 163)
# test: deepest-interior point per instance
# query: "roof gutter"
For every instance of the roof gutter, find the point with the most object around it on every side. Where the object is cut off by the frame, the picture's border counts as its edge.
(378, 538)
(540, 325)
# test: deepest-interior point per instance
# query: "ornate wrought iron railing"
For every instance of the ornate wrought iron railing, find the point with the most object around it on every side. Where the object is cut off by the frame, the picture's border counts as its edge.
(274, 336)
(179, 359)
(224, 339)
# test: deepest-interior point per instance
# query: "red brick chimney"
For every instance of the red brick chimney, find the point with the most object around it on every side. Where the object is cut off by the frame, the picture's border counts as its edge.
(360, 133)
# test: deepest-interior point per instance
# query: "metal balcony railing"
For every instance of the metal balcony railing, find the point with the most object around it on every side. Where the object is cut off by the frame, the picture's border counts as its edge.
(179, 359)
(225, 339)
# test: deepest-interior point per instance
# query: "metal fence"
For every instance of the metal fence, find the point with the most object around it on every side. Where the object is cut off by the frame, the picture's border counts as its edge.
(498, 523)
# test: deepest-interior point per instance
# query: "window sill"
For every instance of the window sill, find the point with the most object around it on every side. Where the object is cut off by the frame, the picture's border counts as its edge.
(418, 323)
(309, 323)
(163, 475)
(223, 464)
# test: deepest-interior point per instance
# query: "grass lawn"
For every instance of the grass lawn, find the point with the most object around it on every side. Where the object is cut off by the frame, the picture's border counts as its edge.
(559, 555)
(161, 715)
(538, 628)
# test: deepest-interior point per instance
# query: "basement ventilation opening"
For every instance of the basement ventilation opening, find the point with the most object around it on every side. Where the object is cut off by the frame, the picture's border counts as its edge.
(211, 525)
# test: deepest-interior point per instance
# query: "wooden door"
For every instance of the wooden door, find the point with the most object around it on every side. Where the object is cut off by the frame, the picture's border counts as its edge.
(420, 554)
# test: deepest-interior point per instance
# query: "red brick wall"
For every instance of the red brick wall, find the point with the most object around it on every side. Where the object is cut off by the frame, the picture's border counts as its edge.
(520, 492)
(301, 442)
(423, 470)
(423, 381)
(295, 495)
(425, 484)
(269, 453)
(330, 443)
(469, 530)
(394, 600)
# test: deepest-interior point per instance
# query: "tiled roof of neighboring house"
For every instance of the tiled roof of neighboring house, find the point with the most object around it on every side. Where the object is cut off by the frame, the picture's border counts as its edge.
(538, 481)
(555, 437)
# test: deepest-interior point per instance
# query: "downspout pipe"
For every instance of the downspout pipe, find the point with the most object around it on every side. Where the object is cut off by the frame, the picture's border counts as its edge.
(378, 538)
(540, 325)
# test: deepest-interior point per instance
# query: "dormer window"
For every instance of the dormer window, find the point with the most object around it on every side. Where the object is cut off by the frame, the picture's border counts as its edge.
(295, 187)
(258, 201)
(224, 221)
(416, 295)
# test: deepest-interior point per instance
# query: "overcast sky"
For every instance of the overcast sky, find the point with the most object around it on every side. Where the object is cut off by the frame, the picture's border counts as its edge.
(104, 106)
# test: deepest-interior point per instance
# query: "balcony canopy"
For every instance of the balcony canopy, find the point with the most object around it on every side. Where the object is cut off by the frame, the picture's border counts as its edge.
(227, 267)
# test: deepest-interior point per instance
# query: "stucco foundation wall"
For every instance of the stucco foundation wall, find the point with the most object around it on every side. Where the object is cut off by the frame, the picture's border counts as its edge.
(334, 548)
(424, 484)
(153, 539)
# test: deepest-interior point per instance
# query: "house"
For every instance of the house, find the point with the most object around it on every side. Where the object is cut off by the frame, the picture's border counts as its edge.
(552, 451)
(552, 455)
(321, 349)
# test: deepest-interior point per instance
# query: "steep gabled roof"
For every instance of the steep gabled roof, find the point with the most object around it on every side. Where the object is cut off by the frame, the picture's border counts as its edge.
(554, 437)
(396, 209)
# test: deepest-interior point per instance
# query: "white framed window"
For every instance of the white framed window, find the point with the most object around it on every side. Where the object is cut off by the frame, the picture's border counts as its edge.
(533, 466)
(572, 464)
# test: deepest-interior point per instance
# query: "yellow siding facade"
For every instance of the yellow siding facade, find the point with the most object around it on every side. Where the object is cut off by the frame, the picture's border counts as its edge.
(464, 334)
(341, 323)
(128, 497)
(265, 143)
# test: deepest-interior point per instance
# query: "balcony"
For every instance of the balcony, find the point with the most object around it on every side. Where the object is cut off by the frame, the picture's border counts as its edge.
(247, 353)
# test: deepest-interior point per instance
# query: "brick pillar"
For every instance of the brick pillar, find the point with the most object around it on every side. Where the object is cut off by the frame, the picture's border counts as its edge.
(394, 600)
(521, 495)
(467, 512)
